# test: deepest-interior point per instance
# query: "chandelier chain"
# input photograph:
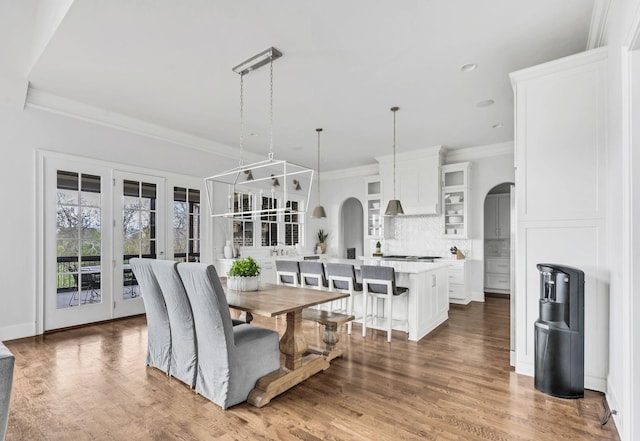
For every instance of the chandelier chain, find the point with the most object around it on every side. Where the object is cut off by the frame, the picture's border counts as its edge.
(318, 130)
(394, 152)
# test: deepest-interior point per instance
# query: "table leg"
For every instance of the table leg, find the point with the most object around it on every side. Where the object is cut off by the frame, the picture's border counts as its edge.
(293, 344)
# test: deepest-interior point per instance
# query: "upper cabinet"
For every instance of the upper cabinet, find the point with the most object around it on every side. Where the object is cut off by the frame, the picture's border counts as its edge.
(497, 216)
(374, 227)
(455, 199)
(417, 182)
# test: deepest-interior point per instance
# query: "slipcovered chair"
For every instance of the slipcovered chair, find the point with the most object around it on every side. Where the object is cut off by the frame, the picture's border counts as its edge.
(231, 359)
(7, 361)
(287, 272)
(184, 353)
(342, 278)
(379, 282)
(158, 329)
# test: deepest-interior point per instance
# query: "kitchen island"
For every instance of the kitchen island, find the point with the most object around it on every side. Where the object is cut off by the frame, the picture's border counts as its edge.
(428, 297)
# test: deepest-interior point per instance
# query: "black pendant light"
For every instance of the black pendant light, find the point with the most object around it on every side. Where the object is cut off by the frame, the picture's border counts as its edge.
(319, 212)
(394, 207)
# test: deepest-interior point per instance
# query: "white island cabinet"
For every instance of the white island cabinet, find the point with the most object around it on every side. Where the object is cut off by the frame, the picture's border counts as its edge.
(428, 297)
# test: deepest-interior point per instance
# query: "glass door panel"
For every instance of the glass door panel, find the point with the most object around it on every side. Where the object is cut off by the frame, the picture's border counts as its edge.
(139, 202)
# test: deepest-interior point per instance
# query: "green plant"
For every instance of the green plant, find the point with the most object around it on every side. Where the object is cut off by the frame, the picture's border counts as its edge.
(322, 236)
(246, 267)
(378, 245)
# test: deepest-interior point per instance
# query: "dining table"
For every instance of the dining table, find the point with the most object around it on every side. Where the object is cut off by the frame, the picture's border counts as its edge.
(271, 300)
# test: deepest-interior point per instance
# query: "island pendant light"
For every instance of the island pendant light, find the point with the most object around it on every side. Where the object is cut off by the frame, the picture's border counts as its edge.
(394, 207)
(319, 212)
(259, 179)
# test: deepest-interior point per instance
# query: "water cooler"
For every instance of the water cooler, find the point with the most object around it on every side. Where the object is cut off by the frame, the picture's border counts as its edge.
(559, 332)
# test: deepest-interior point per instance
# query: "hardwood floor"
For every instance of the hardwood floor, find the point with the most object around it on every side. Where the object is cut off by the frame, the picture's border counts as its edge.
(91, 383)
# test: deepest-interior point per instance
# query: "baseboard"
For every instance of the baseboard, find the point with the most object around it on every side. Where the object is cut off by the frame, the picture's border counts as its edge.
(615, 406)
(17, 331)
(477, 296)
(512, 358)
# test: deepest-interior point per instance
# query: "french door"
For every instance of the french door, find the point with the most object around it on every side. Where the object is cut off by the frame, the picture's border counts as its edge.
(95, 219)
(77, 246)
(140, 225)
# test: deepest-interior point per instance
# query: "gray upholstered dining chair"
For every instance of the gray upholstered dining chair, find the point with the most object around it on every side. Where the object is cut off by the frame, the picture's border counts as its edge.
(287, 272)
(379, 283)
(184, 353)
(158, 329)
(230, 358)
(7, 362)
(342, 278)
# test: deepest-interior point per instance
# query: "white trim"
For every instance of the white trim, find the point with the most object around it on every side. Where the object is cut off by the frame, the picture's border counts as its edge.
(17, 331)
(599, 22)
(453, 156)
(49, 102)
(560, 65)
(352, 172)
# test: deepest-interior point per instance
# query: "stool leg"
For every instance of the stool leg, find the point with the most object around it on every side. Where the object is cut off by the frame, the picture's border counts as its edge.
(390, 319)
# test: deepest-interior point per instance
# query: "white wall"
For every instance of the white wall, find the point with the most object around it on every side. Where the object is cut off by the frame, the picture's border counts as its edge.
(623, 388)
(22, 133)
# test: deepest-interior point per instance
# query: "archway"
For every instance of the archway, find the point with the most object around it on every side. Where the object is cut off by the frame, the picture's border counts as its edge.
(351, 227)
(499, 248)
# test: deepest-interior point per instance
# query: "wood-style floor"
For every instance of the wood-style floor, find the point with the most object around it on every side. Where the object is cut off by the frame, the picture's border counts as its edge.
(92, 384)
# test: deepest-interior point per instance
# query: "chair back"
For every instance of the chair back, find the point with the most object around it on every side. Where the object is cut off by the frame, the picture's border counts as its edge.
(184, 352)
(7, 363)
(380, 273)
(158, 329)
(337, 272)
(214, 330)
(287, 272)
(312, 274)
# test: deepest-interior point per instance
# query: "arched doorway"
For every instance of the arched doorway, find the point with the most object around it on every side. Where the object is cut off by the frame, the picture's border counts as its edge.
(499, 248)
(351, 227)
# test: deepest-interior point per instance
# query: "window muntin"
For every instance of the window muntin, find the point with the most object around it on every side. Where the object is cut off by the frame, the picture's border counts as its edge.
(186, 224)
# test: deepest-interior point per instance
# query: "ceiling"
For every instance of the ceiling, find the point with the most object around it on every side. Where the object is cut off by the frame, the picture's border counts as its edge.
(345, 63)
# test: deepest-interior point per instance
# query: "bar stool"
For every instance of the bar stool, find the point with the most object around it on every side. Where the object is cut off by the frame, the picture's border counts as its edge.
(342, 278)
(379, 283)
(312, 274)
(287, 272)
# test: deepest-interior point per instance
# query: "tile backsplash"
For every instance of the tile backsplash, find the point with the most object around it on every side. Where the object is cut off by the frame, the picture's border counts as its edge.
(421, 236)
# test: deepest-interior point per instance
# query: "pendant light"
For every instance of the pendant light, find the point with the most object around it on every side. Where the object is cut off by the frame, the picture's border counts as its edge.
(319, 212)
(394, 207)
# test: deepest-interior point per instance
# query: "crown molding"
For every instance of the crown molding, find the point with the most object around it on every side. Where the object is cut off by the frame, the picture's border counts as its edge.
(562, 64)
(412, 155)
(52, 103)
(483, 151)
(599, 22)
(352, 172)
(13, 91)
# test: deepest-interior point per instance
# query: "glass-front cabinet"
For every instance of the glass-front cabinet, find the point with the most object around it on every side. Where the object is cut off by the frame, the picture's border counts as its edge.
(455, 199)
(375, 225)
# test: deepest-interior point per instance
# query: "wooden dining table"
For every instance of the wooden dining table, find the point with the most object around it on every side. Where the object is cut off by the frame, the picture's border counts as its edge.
(270, 301)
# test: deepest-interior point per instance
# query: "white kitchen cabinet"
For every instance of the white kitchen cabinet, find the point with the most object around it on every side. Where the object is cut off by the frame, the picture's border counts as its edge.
(455, 199)
(497, 275)
(497, 216)
(459, 291)
(374, 228)
(417, 183)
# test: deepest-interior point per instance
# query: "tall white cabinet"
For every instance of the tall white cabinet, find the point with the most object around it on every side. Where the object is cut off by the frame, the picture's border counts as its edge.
(560, 155)
(455, 199)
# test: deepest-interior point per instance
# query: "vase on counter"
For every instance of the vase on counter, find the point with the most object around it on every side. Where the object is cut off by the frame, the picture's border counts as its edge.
(228, 250)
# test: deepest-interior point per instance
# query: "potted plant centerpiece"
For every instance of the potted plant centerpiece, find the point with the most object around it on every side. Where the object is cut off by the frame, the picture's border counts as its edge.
(244, 275)
(322, 237)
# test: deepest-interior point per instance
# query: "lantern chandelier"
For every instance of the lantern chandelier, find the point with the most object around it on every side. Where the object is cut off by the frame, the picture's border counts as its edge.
(263, 187)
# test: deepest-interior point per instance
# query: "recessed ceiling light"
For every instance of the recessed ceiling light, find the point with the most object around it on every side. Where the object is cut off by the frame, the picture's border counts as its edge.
(497, 126)
(253, 134)
(468, 67)
(485, 103)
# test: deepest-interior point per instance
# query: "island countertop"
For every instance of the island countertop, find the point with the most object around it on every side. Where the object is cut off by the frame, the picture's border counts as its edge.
(410, 267)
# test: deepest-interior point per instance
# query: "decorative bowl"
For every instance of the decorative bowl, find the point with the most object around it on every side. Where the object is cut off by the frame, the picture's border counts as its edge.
(455, 199)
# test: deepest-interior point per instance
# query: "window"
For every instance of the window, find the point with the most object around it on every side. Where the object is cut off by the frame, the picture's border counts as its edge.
(78, 239)
(292, 224)
(269, 222)
(242, 222)
(186, 224)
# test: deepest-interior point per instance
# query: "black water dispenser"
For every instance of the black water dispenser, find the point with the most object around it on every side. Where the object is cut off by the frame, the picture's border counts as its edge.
(559, 332)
